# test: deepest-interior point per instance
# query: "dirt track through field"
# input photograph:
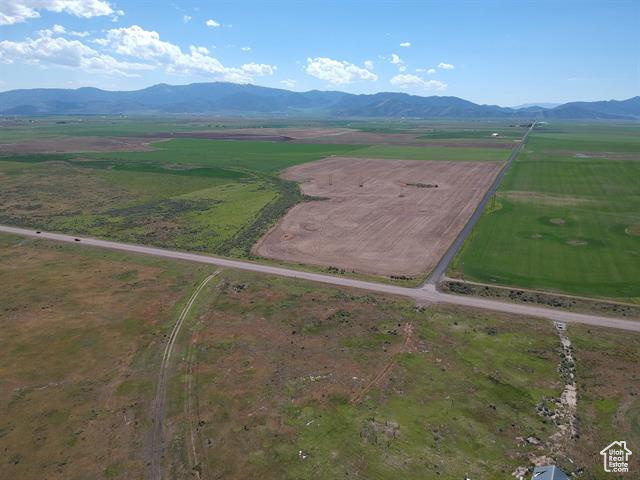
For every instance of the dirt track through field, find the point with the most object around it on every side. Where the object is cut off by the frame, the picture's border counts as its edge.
(157, 439)
(385, 371)
(381, 217)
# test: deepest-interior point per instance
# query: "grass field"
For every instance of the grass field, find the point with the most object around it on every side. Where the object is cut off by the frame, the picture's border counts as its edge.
(269, 157)
(566, 217)
(279, 379)
(203, 195)
(452, 153)
(80, 355)
(216, 196)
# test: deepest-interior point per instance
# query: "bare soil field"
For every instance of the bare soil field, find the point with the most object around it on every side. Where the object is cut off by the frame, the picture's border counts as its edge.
(79, 144)
(357, 137)
(381, 217)
(235, 135)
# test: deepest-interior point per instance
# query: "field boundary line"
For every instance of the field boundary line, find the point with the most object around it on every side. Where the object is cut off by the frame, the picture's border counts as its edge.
(541, 292)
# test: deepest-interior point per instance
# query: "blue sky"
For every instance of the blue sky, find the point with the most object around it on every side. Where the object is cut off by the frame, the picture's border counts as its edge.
(497, 52)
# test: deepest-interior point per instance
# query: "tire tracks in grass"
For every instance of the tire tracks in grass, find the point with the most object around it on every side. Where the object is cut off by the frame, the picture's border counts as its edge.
(407, 346)
(158, 409)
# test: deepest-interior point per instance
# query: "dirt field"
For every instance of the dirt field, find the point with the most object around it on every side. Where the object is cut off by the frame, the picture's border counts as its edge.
(357, 137)
(381, 217)
(78, 144)
(235, 135)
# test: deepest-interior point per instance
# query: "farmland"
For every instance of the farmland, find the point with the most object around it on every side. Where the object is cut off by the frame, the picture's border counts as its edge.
(381, 217)
(136, 182)
(566, 216)
(277, 378)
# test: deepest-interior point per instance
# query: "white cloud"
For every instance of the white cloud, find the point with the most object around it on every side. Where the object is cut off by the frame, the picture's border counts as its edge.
(396, 60)
(18, 11)
(186, 18)
(337, 72)
(405, 44)
(146, 45)
(259, 69)
(58, 29)
(289, 83)
(413, 81)
(46, 51)
(445, 66)
(368, 64)
(431, 71)
(79, 34)
(212, 23)
(245, 49)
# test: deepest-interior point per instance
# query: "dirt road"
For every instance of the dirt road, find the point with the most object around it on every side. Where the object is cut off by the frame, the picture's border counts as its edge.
(425, 294)
(157, 437)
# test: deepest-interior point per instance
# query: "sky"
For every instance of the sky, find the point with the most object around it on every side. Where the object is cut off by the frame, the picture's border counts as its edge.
(495, 52)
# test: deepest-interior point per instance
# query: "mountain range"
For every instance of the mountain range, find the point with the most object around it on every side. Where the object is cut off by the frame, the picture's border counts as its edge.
(221, 98)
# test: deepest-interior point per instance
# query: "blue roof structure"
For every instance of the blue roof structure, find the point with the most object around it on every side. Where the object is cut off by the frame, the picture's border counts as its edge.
(550, 472)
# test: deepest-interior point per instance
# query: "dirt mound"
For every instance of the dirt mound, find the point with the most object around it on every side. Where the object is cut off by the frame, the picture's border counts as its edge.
(577, 243)
(633, 230)
(557, 221)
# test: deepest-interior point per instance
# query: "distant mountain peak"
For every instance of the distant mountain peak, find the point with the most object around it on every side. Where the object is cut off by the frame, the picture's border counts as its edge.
(225, 98)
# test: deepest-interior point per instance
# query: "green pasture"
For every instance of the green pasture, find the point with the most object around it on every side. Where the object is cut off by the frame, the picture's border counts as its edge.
(564, 222)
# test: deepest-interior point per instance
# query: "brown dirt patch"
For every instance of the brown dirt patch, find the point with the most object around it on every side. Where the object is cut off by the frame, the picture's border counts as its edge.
(78, 144)
(357, 137)
(633, 230)
(226, 135)
(557, 221)
(372, 229)
(544, 198)
(577, 243)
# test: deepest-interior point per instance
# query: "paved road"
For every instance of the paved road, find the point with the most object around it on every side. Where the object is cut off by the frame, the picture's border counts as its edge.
(425, 294)
(436, 275)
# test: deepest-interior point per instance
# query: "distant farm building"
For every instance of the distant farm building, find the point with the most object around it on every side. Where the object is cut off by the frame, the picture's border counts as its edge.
(495, 134)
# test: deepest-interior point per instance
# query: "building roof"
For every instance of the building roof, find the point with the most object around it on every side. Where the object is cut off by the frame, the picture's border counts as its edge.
(550, 472)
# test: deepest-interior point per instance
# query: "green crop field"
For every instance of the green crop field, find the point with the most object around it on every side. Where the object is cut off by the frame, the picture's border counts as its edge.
(566, 218)
(268, 157)
(449, 153)
(217, 196)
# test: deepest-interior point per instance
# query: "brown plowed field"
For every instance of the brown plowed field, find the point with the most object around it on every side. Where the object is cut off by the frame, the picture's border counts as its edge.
(378, 217)
(78, 144)
(226, 135)
(356, 137)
